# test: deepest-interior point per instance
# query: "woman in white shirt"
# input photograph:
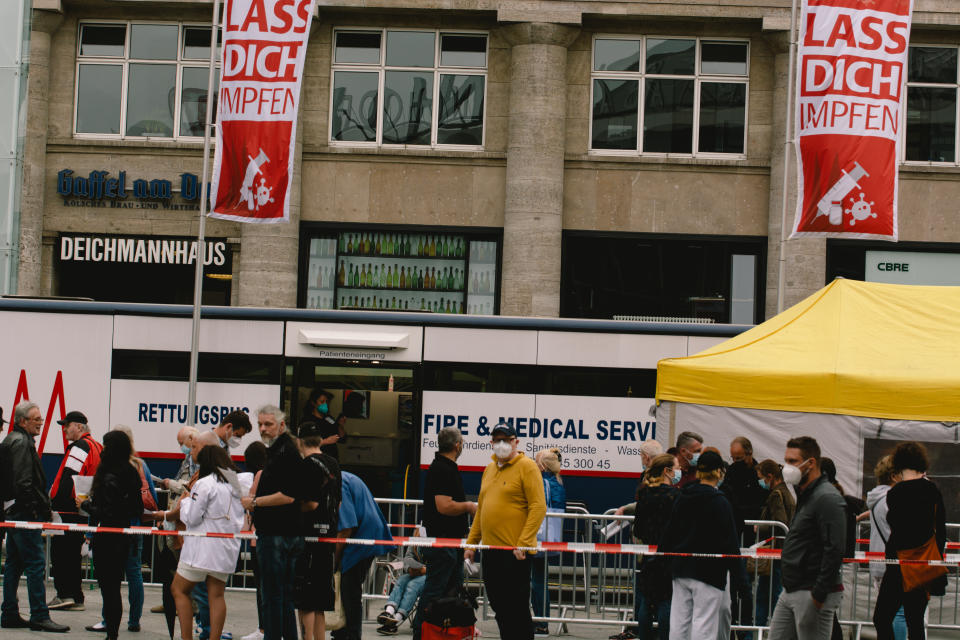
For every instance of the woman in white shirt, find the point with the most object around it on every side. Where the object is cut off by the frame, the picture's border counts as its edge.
(212, 505)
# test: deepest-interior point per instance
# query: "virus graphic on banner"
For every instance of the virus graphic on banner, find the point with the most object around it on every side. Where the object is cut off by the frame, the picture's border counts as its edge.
(849, 96)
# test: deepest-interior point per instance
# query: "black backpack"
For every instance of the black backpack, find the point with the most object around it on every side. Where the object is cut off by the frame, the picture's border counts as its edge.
(323, 520)
(451, 610)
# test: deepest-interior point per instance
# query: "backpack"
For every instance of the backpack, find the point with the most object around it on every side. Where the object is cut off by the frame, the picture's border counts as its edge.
(323, 520)
(450, 618)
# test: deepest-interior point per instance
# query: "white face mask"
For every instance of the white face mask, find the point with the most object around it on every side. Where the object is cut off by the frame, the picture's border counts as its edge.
(502, 449)
(233, 442)
(792, 475)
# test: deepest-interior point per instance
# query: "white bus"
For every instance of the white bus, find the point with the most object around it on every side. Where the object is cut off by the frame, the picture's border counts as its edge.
(585, 386)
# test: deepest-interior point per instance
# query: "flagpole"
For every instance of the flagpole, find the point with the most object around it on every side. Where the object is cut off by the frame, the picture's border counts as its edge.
(204, 200)
(787, 139)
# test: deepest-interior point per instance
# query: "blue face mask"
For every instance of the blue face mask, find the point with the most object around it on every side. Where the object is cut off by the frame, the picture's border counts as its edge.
(676, 476)
(695, 459)
(322, 408)
(185, 449)
(764, 484)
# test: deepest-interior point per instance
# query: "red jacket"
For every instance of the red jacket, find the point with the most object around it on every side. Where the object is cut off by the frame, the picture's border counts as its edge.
(82, 458)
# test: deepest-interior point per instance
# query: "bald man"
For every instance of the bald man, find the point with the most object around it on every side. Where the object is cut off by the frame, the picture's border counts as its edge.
(188, 467)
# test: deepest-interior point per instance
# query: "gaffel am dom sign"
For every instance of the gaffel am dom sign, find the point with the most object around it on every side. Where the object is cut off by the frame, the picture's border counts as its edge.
(99, 189)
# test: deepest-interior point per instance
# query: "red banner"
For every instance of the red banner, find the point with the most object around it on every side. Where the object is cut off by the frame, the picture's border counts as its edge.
(850, 79)
(264, 44)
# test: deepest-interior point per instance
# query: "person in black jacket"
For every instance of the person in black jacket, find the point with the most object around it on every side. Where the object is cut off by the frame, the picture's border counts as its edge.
(915, 513)
(114, 501)
(22, 481)
(702, 522)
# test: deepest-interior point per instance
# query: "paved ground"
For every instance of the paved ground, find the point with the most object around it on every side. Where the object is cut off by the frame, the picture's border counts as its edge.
(242, 619)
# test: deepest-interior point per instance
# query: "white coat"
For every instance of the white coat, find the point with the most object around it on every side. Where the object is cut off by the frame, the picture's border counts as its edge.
(212, 506)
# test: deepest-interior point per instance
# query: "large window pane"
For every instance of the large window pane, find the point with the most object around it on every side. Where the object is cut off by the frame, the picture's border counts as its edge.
(357, 47)
(410, 48)
(196, 43)
(932, 64)
(102, 40)
(723, 108)
(460, 120)
(723, 58)
(150, 99)
(671, 57)
(99, 88)
(931, 124)
(193, 100)
(154, 41)
(407, 97)
(354, 106)
(616, 55)
(615, 114)
(463, 51)
(668, 116)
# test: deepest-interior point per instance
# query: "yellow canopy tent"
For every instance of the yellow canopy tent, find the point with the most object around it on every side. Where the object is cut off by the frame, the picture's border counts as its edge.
(853, 348)
(854, 365)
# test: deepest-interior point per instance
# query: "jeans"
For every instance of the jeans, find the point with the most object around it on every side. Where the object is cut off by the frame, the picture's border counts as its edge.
(405, 593)
(25, 555)
(135, 581)
(768, 592)
(351, 597)
(110, 553)
(539, 593)
(507, 582)
(645, 611)
(796, 617)
(67, 571)
(891, 599)
(444, 574)
(277, 556)
(199, 595)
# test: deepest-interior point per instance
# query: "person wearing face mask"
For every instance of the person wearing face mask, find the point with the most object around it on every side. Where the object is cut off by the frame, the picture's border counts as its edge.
(779, 506)
(812, 554)
(649, 450)
(511, 507)
(232, 429)
(689, 445)
(332, 429)
(188, 468)
(445, 509)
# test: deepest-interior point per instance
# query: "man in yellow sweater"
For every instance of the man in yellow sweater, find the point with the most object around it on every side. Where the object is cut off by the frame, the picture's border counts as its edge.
(509, 512)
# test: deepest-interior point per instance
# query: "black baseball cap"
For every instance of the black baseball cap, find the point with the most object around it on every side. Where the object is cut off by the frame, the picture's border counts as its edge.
(309, 429)
(73, 416)
(504, 429)
(709, 461)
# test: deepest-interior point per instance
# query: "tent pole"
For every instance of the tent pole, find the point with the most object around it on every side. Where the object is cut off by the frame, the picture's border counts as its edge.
(201, 241)
(787, 140)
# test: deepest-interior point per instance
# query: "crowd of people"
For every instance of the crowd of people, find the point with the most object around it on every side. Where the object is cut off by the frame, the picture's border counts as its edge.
(690, 502)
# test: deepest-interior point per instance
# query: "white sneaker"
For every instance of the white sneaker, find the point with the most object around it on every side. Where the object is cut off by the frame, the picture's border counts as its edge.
(256, 635)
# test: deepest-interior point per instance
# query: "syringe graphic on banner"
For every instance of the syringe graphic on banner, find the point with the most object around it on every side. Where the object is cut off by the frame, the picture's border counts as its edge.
(255, 197)
(831, 204)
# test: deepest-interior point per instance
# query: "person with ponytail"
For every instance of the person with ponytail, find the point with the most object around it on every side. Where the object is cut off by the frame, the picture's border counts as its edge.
(114, 501)
(779, 506)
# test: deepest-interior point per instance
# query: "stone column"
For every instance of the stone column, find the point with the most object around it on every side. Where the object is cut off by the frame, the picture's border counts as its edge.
(30, 270)
(533, 211)
(268, 252)
(804, 259)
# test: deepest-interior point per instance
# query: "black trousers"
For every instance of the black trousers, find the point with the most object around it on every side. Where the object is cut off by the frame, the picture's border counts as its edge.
(110, 552)
(507, 582)
(351, 597)
(67, 571)
(889, 600)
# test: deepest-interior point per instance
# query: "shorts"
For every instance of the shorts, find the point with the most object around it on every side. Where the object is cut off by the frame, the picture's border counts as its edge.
(196, 574)
(313, 582)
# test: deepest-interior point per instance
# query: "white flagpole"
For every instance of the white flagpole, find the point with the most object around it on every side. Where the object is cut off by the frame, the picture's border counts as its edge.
(204, 200)
(787, 139)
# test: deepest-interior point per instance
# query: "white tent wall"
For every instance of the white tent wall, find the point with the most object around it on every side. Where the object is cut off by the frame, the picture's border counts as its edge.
(840, 437)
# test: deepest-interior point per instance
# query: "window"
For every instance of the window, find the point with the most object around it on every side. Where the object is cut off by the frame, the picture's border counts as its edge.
(142, 80)
(408, 87)
(678, 96)
(931, 117)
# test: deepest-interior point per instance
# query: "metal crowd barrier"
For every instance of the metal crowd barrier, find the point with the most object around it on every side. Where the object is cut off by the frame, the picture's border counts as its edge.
(597, 588)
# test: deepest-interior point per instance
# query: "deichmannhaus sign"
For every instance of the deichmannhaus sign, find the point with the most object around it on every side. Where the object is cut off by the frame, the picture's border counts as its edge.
(95, 248)
(98, 189)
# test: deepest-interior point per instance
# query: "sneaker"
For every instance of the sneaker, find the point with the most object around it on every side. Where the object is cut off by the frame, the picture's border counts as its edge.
(100, 627)
(157, 609)
(386, 618)
(133, 627)
(61, 603)
(625, 635)
(76, 606)
(541, 630)
(256, 635)
(226, 635)
(389, 629)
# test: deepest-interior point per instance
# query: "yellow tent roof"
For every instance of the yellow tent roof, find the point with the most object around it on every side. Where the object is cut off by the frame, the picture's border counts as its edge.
(853, 348)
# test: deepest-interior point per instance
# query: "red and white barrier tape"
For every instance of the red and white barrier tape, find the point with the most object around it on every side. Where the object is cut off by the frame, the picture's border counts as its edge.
(755, 551)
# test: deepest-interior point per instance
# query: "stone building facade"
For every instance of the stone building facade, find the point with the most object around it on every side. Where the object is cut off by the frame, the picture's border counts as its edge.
(606, 158)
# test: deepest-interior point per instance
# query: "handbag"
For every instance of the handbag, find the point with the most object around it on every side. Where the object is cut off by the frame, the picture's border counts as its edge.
(335, 619)
(920, 574)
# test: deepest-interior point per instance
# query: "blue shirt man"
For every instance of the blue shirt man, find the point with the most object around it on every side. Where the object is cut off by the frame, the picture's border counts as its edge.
(360, 517)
